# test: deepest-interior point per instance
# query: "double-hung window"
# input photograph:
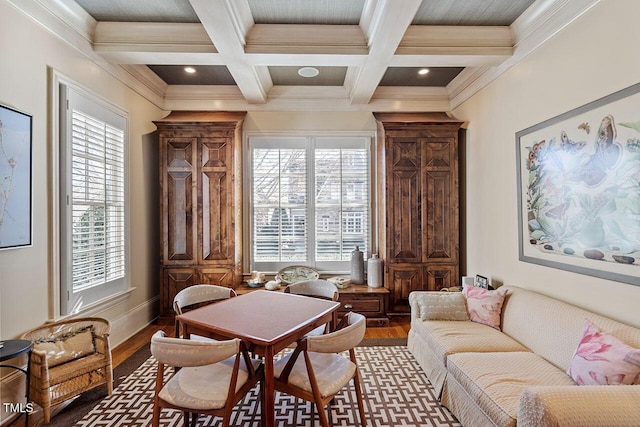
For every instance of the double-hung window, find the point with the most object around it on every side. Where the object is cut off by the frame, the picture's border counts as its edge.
(92, 161)
(310, 200)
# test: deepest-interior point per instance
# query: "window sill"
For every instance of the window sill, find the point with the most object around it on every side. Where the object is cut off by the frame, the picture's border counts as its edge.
(98, 306)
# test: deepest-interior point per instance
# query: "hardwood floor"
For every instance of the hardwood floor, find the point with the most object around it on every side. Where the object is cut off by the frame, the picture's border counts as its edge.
(396, 329)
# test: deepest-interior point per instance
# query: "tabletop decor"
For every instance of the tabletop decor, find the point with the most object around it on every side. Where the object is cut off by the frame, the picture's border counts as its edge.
(579, 189)
(296, 273)
(15, 178)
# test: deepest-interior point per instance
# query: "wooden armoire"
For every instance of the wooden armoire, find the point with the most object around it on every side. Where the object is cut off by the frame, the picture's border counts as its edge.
(419, 204)
(200, 201)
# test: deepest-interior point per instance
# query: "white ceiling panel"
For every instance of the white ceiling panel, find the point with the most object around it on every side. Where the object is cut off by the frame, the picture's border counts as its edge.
(140, 10)
(470, 12)
(334, 12)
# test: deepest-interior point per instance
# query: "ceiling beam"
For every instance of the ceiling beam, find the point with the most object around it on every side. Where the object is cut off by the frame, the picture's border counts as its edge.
(319, 45)
(227, 23)
(384, 26)
(311, 39)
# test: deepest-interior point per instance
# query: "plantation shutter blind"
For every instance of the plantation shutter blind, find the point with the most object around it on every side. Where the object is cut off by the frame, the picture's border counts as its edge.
(310, 201)
(97, 176)
(93, 202)
(280, 201)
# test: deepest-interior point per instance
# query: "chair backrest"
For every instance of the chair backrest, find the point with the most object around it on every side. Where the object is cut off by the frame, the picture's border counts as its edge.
(342, 339)
(198, 294)
(314, 288)
(185, 353)
(98, 325)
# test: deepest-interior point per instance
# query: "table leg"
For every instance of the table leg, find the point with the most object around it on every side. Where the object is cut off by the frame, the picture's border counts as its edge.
(269, 390)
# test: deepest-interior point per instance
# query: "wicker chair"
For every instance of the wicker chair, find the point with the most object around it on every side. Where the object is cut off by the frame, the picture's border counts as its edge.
(321, 372)
(68, 358)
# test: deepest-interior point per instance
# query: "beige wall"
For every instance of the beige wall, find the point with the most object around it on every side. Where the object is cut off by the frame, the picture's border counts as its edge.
(27, 50)
(593, 57)
(257, 121)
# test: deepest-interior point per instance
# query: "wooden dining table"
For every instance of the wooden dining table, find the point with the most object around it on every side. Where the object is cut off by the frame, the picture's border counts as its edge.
(267, 322)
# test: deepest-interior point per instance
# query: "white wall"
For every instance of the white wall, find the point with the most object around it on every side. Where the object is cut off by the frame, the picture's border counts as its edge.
(25, 298)
(593, 57)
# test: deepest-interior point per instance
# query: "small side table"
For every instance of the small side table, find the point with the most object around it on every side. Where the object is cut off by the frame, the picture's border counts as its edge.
(11, 349)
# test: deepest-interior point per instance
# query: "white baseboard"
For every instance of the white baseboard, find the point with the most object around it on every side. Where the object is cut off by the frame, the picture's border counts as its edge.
(132, 322)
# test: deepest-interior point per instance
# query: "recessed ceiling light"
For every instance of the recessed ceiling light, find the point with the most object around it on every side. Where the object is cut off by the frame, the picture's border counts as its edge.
(308, 72)
(423, 71)
(189, 70)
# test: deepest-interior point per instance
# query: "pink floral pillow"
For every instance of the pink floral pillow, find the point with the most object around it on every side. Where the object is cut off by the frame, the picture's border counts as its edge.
(602, 359)
(484, 306)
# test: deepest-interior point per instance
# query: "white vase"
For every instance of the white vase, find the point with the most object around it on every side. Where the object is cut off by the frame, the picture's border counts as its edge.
(374, 271)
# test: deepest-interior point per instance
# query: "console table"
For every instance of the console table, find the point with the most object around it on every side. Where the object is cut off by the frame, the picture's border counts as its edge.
(370, 302)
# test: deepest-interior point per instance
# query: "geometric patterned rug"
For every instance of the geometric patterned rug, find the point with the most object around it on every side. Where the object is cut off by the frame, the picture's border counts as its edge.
(396, 394)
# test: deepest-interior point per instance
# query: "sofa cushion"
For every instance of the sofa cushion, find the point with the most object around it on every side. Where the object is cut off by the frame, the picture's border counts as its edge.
(442, 306)
(484, 306)
(446, 338)
(495, 381)
(602, 359)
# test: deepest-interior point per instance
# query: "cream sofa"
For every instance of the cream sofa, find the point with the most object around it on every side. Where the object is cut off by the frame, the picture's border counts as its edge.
(517, 376)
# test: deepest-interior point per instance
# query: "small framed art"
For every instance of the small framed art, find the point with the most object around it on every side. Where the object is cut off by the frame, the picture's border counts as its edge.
(481, 282)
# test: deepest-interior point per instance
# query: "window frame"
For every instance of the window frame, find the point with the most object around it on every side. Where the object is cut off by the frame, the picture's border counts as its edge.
(325, 267)
(101, 297)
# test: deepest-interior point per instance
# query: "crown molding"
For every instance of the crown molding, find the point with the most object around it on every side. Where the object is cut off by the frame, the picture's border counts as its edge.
(538, 24)
(306, 98)
(71, 24)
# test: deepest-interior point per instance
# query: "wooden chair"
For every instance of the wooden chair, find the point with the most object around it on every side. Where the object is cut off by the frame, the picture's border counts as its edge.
(197, 296)
(68, 358)
(321, 372)
(214, 376)
(317, 289)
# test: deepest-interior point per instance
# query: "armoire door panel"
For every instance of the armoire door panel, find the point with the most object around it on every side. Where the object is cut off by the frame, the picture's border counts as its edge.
(405, 153)
(438, 154)
(174, 280)
(180, 153)
(440, 233)
(215, 153)
(405, 217)
(403, 279)
(216, 276)
(216, 224)
(440, 276)
(180, 238)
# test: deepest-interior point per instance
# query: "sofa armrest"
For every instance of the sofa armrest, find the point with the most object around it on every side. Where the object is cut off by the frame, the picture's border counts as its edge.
(583, 406)
(413, 303)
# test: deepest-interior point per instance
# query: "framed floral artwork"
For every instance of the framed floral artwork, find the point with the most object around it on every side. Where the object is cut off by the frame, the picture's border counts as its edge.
(579, 189)
(15, 178)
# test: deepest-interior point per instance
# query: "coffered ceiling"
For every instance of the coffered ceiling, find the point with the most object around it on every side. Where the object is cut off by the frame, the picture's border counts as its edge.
(246, 53)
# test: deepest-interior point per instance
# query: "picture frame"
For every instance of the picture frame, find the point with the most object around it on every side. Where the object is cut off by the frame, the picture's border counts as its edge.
(481, 282)
(15, 178)
(578, 177)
